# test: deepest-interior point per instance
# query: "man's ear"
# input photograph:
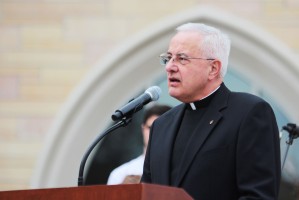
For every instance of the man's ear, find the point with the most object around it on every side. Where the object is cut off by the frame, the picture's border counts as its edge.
(215, 69)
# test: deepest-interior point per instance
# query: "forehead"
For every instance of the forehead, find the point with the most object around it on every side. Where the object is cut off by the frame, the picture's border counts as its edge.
(185, 42)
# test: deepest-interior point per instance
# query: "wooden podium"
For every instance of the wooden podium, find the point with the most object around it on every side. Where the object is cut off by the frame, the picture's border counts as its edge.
(100, 192)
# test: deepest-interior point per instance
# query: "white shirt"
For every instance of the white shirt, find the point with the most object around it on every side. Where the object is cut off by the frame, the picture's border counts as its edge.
(133, 167)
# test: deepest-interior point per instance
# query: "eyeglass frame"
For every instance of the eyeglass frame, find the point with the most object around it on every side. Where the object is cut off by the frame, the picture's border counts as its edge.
(179, 55)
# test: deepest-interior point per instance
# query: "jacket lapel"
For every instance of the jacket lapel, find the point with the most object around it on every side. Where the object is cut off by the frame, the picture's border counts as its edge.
(207, 124)
(168, 132)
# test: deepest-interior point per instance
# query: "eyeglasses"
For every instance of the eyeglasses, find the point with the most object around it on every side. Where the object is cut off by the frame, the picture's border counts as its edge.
(181, 58)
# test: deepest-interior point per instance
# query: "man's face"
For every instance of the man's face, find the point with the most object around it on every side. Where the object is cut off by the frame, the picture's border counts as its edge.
(188, 82)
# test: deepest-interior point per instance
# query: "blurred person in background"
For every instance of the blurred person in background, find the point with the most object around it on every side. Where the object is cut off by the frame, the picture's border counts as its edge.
(131, 171)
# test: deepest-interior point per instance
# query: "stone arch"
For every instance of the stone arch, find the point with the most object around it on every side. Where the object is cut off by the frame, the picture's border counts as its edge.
(113, 81)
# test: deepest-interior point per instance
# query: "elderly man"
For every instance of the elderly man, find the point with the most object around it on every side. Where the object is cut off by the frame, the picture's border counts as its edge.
(217, 144)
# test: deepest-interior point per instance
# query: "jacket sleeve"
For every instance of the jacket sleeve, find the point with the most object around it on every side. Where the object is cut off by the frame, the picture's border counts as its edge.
(258, 176)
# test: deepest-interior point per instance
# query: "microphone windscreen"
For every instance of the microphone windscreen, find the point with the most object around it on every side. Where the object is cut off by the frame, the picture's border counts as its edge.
(154, 92)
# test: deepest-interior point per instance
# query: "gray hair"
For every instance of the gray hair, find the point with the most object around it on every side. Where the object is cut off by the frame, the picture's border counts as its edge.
(215, 44)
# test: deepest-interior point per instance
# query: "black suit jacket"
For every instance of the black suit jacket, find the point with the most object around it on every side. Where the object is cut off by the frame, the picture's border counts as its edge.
(234, 152)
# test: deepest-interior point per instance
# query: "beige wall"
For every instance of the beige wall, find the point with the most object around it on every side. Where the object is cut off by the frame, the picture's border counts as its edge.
(46, 48)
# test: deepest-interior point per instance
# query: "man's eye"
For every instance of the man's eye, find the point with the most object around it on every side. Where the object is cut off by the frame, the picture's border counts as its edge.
(183, 58)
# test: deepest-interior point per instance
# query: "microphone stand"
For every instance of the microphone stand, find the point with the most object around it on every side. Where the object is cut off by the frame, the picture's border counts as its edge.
(293, 134)
(123, 122)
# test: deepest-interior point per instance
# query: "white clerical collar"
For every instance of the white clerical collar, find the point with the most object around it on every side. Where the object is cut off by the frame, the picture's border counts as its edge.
(192, 105)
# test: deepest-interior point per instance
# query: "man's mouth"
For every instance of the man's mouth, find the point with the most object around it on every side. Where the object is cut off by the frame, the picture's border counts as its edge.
(172, 80)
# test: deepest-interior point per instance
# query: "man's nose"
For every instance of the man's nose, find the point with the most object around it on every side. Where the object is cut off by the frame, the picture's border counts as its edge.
(171, 66)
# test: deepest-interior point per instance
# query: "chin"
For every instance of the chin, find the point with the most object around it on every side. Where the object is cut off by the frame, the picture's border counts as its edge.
(173, 93)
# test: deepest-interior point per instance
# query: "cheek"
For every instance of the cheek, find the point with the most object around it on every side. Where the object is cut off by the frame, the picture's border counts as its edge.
(199, 74)
(191, 77)
(195, 81)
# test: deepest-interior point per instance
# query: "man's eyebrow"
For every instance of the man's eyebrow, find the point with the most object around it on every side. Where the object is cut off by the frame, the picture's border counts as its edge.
(182, 54)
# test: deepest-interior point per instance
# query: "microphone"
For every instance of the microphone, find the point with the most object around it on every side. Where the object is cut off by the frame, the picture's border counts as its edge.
(151, 94)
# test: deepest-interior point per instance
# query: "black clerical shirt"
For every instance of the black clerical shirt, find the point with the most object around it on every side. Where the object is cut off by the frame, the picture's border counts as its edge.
(192, 116)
